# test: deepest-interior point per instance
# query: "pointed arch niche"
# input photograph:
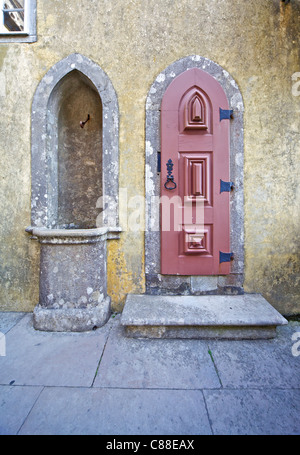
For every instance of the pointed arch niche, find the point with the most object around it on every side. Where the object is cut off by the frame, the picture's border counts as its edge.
(195, 116)
(70, 91)
(74, 177)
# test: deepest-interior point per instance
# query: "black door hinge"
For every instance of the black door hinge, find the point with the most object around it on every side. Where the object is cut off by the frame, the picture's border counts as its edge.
(226, 186)
(158, 162)
(226, 114)
(225, 257)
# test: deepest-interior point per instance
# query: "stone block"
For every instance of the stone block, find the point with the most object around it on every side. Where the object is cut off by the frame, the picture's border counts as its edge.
(246, 316)
(71, 319)
(204, 283)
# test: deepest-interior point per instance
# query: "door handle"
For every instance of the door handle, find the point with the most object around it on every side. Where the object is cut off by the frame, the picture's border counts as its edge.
(170, 184)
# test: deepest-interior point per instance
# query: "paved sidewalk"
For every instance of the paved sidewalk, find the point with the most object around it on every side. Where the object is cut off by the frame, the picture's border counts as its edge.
(101, 382)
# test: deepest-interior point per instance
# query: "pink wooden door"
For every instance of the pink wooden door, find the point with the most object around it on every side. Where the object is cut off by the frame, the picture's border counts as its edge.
(195, 224)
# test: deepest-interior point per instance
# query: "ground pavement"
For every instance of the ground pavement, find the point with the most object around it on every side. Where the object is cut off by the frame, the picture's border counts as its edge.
(101, 382)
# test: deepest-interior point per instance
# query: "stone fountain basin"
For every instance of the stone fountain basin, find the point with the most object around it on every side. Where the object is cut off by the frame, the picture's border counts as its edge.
(73, 289)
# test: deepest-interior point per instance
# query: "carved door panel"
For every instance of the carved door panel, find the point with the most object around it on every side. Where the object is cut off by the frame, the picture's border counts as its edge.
(195, 228)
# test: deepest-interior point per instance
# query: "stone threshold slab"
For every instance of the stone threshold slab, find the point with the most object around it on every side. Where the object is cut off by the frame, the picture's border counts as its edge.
(247, 316)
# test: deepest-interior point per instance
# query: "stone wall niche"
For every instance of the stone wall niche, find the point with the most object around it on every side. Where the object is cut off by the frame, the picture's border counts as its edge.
(74, 154)
(79, 152)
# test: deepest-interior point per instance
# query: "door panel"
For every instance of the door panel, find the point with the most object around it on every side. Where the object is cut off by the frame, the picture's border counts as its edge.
(195, 144)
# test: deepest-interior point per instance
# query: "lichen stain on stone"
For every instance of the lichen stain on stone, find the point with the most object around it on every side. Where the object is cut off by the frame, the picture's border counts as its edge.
(121, 279)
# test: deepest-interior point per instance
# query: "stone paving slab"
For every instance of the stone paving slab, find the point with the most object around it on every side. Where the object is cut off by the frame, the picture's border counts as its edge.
(264, 363)
(117, 412)
(15, 405)
(48, 383)
(9, 320)
(140, 363)
(254, 412)
(51, 359)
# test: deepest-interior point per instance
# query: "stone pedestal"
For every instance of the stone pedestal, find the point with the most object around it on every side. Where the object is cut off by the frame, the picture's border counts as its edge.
(73, 293)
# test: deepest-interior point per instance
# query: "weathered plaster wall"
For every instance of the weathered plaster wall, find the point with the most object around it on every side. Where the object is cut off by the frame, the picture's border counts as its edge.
(133, 41)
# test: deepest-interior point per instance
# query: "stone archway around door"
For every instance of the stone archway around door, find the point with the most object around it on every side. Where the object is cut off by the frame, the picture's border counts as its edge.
(156, 283)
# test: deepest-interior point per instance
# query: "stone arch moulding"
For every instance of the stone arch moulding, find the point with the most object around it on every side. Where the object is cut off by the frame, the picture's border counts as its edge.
(43, 148)
(156, 283)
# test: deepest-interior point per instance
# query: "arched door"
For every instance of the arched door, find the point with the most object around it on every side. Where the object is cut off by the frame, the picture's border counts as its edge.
(195, 183)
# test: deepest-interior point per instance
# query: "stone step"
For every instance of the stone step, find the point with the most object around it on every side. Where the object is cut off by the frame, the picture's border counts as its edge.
(247, 316)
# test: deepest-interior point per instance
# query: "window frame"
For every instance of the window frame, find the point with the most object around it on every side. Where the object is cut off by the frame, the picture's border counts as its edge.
(28, 35)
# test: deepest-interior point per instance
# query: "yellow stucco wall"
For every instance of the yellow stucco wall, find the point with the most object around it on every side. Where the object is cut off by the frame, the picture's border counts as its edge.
(257, 42)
